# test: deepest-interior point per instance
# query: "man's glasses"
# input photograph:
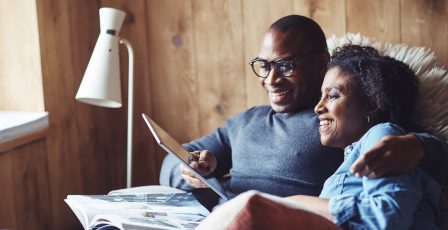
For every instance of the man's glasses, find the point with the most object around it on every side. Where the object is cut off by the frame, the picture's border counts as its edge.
(283, 66)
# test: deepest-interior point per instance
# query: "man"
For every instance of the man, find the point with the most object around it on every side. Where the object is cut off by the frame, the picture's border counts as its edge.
(276, 149)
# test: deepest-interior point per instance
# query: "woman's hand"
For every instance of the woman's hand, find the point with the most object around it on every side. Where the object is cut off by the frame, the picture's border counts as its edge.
(204, 162)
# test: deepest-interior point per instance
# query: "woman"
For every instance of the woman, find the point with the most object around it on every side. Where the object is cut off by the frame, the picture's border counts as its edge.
(366, 97)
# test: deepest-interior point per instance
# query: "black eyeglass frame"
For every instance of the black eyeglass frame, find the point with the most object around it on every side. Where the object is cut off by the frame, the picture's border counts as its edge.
(292, 60)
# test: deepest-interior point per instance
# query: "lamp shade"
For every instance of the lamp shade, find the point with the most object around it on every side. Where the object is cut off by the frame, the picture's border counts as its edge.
(100, 85)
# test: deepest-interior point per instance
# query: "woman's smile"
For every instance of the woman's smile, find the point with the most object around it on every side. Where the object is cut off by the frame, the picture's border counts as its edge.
(325, 126)
(341, 111)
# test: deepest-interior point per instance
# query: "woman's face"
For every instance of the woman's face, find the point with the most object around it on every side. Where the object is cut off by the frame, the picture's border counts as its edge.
(341, 112)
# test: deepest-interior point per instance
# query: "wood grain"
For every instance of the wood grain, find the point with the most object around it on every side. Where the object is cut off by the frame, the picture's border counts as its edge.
(17, 142)
(8, 209)
(25, 189)
(59, 141)
(31, 185)
(173, 67)
(379, 19)
(220, 61)
(81, 148)
(425, 23)
(329, 14)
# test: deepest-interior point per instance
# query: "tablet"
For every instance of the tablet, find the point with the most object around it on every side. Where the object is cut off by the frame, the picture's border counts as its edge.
(172, 147)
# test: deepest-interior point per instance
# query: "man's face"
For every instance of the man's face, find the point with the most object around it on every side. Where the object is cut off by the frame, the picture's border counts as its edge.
(341, 112)
(301, 90)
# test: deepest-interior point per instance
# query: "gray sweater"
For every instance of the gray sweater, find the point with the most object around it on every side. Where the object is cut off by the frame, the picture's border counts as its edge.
(279, 154)
(266, 151)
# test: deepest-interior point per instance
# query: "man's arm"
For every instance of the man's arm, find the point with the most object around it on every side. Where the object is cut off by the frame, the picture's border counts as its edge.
(216, 142)
(400, 154)
(435, 162)
(170, 174)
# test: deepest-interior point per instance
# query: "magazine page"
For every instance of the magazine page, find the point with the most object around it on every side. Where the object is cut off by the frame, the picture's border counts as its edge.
(163, 211)
(147, 220)
(149, 189)
(82, 216)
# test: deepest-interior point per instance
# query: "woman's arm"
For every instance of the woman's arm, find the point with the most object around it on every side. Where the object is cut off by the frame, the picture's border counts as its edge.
(384, 203)
(388, 202)
(319, 205)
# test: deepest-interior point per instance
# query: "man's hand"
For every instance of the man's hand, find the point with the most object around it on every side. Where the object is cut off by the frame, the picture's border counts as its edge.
(393, 155)
(204, 162)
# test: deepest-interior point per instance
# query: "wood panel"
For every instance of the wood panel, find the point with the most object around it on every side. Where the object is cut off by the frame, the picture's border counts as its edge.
(379, 19)
(6, 146)
(31, 185)
(63, 146)
(425, 23)
(219, 57)
(256, 20)
(329, 14)
(83, 143)
(7, 199)
(173, 67)
(25, 189)
(20, 69)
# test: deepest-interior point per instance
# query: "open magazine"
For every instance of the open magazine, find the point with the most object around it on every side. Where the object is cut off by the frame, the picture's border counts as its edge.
(149, 207)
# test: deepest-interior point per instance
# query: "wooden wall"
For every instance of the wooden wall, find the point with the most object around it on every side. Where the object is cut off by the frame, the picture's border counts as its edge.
(191, 73)
(85, 144)
(25, 201)
(199, 49)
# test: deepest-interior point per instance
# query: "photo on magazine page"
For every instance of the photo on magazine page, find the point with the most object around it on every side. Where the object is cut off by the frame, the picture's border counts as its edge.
(164, 211)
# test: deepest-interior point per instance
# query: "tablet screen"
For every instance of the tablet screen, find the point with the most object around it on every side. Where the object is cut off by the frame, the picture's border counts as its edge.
(172, 147)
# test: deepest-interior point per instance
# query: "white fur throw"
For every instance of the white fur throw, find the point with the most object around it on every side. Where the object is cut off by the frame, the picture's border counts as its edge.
(431, 113)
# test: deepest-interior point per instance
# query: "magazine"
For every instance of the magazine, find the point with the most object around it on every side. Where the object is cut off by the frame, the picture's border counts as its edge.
(149, 207)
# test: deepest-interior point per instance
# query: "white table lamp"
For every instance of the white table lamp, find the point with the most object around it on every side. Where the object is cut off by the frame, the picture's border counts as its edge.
(100, 85)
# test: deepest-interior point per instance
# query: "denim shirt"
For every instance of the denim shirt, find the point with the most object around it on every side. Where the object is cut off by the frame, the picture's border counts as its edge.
(408, 201)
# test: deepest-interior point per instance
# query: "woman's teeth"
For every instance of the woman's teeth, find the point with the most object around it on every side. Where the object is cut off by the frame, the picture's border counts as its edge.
(325, 122)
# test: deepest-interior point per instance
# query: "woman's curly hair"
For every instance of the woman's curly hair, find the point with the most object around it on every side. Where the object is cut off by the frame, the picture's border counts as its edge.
(389, 87)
